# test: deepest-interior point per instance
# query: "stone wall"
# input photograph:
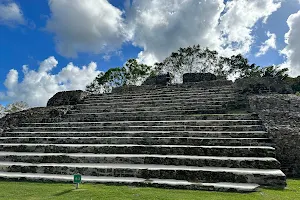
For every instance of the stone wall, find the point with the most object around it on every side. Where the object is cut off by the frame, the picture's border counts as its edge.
(198, 77)
(162, 79)
(260, 85)
(203, 84)
(67, 98)
(281, 116)
(39, 114)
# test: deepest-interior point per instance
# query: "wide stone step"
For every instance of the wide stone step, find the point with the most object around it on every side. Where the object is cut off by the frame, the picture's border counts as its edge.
(151, 113)
(148, 123)
(80, 117)
(147, 116)
(168, 91)
(143, 128)
(175, 87)
(141, 140)
(162, 95)
(234, 151)
(96, 109)
(150, 103)
(160, 183)
(200, 161)
(222, 134)
(165, 99)
(266, 177)
(178, 87)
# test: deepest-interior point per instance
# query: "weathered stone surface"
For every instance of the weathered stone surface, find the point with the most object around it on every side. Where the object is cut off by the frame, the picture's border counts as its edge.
(137, 182)
(67, 98)
(200, 161)
(162, 79)
(198, 77)
(194, 174)
(39, 114)
(176, 87)
(146, 126)
(259, 85)
(237, 151)
(281, 116)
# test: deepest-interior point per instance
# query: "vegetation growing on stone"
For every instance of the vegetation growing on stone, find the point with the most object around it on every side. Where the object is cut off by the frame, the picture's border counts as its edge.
(130, 74)
(192, 59)
(12, 108)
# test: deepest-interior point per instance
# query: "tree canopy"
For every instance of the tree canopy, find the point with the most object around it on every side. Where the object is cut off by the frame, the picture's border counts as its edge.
(12, 108)
(131, 73)
(192, 59)
(202, 60)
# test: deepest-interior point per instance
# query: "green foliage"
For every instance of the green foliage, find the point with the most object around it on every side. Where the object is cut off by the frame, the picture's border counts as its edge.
(240, 65)
(270, 71)
(13, 107)
(194, 59)
(294, 83)
(130, 74)
(135, 72)
(197, 59)
(275, 71)
(113, 77)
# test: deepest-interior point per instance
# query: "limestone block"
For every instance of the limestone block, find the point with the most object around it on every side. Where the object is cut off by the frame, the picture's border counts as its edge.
(38, 114)
(67, 98)
(157, 80)
(281, 116)
(198, 77)
(260, 85)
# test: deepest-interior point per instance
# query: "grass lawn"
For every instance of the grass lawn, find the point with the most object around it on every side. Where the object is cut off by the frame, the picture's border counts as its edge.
(32, 191)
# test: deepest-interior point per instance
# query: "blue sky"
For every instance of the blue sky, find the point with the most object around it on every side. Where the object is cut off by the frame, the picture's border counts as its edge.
(26, 39)
(31, 44)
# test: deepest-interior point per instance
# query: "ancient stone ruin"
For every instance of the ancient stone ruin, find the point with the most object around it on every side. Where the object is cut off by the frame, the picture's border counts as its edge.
(188, 136)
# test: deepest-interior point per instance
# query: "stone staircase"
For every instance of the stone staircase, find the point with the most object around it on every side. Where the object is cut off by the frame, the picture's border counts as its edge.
(180, 136)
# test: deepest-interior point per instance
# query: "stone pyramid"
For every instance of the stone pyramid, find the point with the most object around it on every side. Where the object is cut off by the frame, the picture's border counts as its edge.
(184, 136)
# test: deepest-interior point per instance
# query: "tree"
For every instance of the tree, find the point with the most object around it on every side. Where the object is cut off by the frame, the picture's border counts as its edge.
(132, 73)
(2, 111)
(294, 83)
(269, 71)
(96, 88)
(201, 60)
(198, 60)
(275, 72)
(192, 59)
(136, 73)
(16, 107)
(12, 108)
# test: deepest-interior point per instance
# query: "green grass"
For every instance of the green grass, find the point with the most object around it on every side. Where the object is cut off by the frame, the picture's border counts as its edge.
(34, 191)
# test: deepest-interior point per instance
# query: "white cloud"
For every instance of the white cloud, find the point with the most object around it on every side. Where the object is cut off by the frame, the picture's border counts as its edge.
(239, 20)
(160, 27)
(10, 13)
(268, 44)
(292, 50)
(38, 86)
(93, 26)
(45, 66)
(146, 58)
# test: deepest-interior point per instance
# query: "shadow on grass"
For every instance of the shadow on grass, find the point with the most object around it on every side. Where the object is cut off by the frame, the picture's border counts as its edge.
(63, 192)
